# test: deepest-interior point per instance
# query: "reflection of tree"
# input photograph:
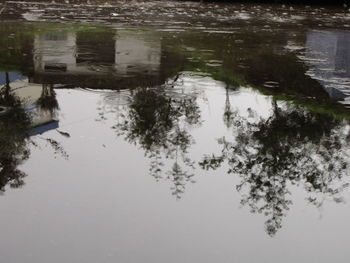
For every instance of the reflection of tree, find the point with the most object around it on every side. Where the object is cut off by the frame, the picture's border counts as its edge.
(13, 150)
(15, 125)
(159, 125)
(48, 101)
(292, 146)
(6, 98)
(228, 112)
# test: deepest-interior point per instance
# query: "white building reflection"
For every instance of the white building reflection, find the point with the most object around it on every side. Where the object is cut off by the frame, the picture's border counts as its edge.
(109, 60)
(137, 52)
(328, 56)
(55, 49)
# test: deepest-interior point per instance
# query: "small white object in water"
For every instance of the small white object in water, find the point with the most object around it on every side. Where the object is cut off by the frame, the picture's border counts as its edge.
(31, 16)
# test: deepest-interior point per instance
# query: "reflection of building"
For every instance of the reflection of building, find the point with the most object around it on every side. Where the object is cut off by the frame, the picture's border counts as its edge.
(136, 54)
(56, 48)
(328, 55)
(98, 59)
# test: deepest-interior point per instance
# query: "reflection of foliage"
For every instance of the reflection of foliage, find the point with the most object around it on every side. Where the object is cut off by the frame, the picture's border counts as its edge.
(15, 126)
(159, 125)
(48, 101)
(292, 146)
(228, 112)
(13, 150)
(57, 147)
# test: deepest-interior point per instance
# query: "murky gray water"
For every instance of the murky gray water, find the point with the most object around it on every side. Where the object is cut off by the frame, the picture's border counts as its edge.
(185, 137)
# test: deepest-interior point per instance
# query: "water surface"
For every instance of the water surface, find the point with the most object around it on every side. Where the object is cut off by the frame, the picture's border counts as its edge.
(155, 142)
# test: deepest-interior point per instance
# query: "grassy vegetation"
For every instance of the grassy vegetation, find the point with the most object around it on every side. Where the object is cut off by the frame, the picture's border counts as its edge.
(260, 64)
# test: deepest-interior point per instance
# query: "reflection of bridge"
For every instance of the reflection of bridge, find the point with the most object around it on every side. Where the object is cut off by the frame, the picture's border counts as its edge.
(328, 55)
(110, 59)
